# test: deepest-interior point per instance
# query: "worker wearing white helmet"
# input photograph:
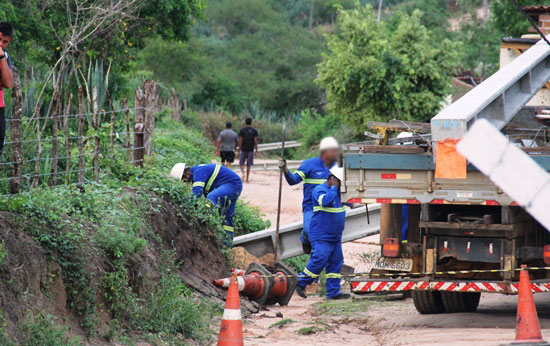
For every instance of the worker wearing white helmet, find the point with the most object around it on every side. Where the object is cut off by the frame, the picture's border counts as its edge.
(312, 172)
(218, 184)
(325, 234)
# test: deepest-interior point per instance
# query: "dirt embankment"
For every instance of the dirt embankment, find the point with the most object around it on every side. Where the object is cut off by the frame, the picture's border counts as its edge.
(32, 280)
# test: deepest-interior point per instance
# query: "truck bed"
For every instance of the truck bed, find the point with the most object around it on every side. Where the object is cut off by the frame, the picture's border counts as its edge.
(405, 175)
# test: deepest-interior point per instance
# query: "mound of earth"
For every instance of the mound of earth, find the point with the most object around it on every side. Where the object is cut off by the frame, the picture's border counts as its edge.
(32, 281)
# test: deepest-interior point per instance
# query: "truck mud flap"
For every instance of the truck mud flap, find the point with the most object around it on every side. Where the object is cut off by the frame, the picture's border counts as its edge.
(369, 286)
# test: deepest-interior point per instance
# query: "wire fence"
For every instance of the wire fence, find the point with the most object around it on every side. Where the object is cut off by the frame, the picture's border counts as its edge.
(59, 148)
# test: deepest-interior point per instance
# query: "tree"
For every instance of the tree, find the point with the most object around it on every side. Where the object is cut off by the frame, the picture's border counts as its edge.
(508, 19)
(372, 73)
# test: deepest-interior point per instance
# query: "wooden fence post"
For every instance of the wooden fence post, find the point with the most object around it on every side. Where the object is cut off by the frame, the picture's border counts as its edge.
(55, 151)
(67, 142)
(174, 104)
(81, 157)
(139, 135)
(151, 107)
(36, 179)
(128, 142)
(15, 134)
(112, 130)
(95, 124)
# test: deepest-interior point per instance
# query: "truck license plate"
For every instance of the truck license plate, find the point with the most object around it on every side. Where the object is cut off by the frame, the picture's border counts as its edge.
(394, 264)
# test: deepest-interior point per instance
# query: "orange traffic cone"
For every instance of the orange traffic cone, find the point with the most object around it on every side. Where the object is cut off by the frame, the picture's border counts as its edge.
(239, 272)
(527, 321)
(231, 331)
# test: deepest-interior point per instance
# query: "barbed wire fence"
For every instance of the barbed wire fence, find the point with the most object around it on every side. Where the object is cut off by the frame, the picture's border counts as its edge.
(65, 146)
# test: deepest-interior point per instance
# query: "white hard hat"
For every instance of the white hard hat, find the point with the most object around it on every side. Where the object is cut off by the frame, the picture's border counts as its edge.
(177, 170)
(328, 143)
(338, 172)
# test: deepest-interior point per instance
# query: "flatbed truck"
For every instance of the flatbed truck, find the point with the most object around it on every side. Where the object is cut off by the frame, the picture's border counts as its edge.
(463, 236)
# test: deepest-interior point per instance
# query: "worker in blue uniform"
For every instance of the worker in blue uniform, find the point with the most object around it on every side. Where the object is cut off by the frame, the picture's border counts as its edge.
(219, 184)
(312, 172)
(325, 234)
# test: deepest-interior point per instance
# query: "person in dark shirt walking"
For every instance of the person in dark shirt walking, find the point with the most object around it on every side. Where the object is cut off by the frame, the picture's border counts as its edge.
(6, 76)
(248, 146)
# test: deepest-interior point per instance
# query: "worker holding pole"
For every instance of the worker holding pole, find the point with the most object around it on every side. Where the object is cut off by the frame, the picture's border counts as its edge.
(325, 234)
(219, 184)
(313, 172)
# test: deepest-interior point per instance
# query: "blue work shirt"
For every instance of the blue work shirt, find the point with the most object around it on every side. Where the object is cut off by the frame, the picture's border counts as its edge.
(312, 172)
(209, 177)
(329, 214)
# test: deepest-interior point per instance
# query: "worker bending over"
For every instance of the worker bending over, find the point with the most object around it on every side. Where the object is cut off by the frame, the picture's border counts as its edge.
(312, 172)
(218, 184)
(325, 234)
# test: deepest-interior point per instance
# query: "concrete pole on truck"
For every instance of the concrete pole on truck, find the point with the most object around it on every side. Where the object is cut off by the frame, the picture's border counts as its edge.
(280, 195)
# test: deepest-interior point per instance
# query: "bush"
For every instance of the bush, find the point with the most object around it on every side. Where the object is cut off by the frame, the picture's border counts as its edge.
(297, 263)
(248, 219)
(313, 127)
(172, 308)
(41, 330)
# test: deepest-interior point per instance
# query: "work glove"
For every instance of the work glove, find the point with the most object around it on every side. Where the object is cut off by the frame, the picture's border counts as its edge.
(307, 248)
(282, 163)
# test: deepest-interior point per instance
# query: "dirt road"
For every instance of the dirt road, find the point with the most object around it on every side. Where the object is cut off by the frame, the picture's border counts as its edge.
(367, 322)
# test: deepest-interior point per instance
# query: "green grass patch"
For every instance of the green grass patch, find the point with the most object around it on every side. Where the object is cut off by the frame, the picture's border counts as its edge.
(282, 323)
(41, 330)
(343, 307)
(309, 330)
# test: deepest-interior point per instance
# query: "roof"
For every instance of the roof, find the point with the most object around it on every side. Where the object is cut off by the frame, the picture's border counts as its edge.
(537, 9)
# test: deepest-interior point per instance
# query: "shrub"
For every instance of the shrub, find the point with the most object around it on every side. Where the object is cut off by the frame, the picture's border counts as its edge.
(172, 308)
(41, 330)
(248, 219)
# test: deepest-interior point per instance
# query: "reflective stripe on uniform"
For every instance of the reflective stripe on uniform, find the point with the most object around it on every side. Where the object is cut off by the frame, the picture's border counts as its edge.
(329, 210)
(301, 174)
(320, 200)
(229, 229)
(198, 183)
(314, 181)
(212, 178)
(333, 275)
(309, 273)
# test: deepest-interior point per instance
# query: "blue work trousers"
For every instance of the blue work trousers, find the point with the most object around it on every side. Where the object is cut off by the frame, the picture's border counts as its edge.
(225, 198)
(304, 236)
(326, 255)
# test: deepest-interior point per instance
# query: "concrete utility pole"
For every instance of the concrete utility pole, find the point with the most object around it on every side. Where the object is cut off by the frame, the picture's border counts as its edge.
(380, 9)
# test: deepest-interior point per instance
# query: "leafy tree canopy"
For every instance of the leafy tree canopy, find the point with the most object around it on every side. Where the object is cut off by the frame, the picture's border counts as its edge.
(508, 19)
(372, 73)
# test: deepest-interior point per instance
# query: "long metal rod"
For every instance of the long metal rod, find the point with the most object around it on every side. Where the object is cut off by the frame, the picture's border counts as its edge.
(277, 229)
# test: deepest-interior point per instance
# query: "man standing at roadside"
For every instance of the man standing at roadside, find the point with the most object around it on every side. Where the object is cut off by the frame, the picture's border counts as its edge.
(313, 172)
(227, 141)
(248, 146)
(325, 234)
(6, 76)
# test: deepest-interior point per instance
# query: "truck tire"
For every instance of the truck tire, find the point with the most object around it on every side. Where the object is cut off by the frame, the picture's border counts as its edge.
(460, 302)
(428, 302)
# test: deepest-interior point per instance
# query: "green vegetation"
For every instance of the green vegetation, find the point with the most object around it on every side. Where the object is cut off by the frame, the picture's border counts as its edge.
(297, 263)
(374, 73)
(309, 330)
(3, 252)
(111, 217)
(282, 323)
(343, 307)
(41, 330)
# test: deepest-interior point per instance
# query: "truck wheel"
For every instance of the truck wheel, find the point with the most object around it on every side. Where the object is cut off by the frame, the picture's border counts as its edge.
(460, 302)
(428, 302)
